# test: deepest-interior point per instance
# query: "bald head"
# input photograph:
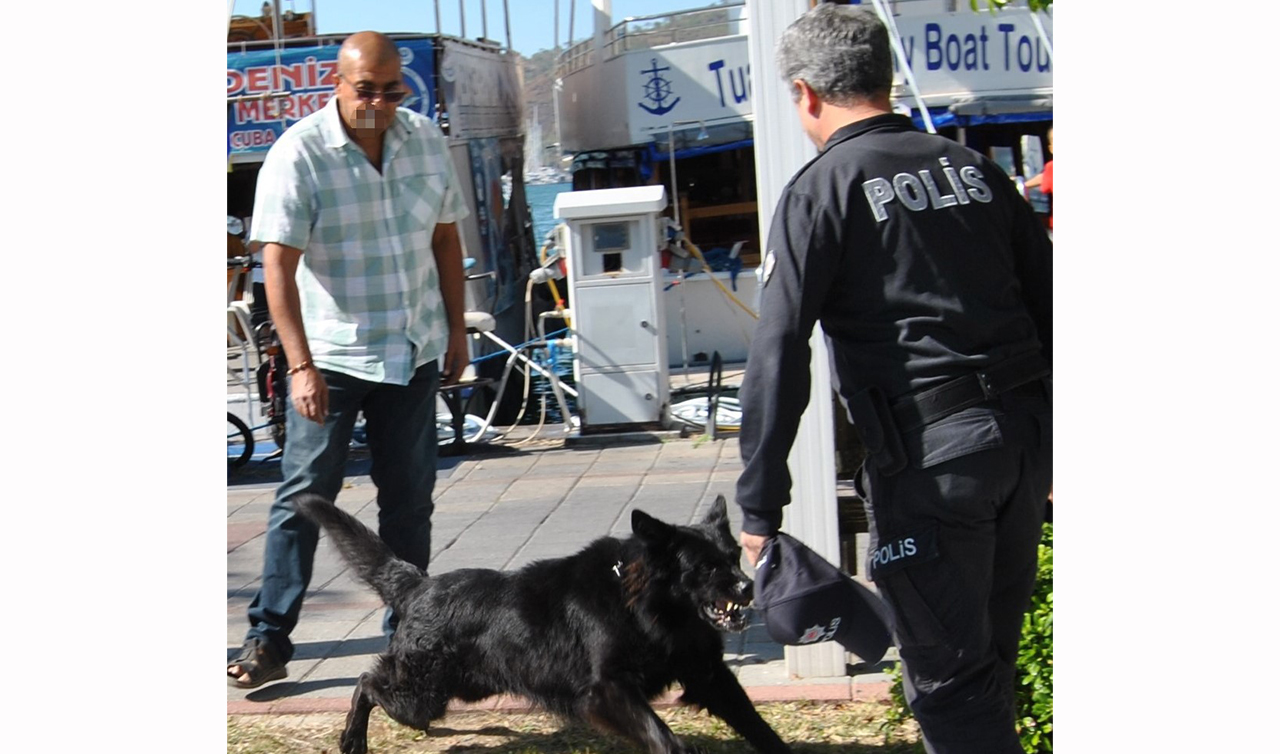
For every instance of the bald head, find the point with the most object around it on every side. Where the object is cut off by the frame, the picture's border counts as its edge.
(367, 49)
(368, 86)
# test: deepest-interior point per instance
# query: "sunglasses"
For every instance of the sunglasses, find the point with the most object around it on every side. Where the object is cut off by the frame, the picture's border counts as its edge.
(388, 95)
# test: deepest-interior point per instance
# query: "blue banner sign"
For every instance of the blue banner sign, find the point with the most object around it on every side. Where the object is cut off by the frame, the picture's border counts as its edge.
(265, 97)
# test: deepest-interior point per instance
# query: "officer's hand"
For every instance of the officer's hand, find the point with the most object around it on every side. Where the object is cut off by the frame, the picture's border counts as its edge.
(753, 545)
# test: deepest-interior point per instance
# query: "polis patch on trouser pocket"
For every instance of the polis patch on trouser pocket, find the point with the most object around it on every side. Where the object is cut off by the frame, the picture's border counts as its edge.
(896, 554)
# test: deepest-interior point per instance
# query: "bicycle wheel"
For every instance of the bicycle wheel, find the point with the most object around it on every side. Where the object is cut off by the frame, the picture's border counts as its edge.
(239, 442)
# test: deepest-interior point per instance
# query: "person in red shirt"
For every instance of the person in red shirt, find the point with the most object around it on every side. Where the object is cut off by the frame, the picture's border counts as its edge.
(1044, 181)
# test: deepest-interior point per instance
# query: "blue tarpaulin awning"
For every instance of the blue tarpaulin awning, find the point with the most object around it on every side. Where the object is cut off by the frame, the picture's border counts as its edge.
(977, 111)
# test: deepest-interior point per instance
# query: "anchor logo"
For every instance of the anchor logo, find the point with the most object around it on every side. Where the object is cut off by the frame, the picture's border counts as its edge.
(657, 89)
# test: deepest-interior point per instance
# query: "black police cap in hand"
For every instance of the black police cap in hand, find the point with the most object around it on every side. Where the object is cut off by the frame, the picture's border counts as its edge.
(806, 600)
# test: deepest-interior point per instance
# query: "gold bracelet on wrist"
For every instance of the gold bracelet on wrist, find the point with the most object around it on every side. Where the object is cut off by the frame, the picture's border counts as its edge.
(299, 368)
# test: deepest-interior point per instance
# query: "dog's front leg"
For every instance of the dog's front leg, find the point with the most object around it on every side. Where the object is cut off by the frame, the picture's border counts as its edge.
(355, 738)
(716, 690)
(611, 707)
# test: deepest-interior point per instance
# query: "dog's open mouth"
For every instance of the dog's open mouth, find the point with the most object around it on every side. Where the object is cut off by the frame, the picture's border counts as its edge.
(726, 615)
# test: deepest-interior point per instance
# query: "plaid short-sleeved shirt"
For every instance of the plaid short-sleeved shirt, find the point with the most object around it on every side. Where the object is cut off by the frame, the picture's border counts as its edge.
(368, 283)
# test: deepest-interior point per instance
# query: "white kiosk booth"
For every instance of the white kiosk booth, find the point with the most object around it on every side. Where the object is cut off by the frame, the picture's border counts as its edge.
(615, 286)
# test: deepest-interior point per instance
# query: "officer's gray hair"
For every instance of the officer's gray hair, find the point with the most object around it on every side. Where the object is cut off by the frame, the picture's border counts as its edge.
(842, 52)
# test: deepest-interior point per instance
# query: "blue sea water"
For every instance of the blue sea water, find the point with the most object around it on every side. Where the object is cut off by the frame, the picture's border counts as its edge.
(542, 199)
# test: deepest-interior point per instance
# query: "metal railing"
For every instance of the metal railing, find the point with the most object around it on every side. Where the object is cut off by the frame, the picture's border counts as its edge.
(658, 30)
(673, 28)
(575, 58)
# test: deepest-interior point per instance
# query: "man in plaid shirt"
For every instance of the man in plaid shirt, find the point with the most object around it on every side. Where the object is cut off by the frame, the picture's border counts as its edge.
(356, 207)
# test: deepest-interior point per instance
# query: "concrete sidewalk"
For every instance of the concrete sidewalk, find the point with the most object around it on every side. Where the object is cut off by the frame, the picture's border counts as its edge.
(502, 506)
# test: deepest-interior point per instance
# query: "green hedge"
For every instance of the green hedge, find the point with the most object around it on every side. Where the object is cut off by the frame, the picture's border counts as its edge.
(1035, 658)
(1035, 664)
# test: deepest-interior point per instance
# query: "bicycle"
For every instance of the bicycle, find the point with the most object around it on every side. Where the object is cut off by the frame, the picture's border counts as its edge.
(239, 442)
(271, 375)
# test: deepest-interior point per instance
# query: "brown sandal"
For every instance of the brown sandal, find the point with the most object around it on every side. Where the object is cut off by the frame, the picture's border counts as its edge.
(256, 664)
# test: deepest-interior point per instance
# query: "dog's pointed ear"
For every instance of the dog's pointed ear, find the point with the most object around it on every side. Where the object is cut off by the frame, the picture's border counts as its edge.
(650, 529)
(718, 516)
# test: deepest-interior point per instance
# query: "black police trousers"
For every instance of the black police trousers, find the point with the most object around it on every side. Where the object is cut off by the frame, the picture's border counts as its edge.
(954, 540)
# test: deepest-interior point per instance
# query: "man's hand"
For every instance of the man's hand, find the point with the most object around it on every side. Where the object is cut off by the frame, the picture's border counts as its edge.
(310, 395)
(455, 358)
(753, 544)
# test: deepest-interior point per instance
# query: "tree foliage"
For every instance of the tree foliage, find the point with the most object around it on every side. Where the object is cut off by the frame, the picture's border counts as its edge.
(995, 5)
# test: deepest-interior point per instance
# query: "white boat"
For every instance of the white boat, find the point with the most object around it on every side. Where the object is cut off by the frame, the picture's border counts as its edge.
(639, 89)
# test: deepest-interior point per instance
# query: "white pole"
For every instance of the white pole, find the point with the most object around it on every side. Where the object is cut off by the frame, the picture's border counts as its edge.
(675, 205)
(781, 149)
(1048, 43)
(671, 160)
(894, 37)
(279, 35)
(602, 19)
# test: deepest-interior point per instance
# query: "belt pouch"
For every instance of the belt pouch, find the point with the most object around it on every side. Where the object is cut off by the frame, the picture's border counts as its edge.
(873, 422)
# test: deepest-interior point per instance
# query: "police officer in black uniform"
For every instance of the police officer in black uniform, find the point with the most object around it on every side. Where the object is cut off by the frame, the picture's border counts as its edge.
(932, 280)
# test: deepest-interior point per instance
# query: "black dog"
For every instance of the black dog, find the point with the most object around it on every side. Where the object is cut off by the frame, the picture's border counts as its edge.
(594, 636)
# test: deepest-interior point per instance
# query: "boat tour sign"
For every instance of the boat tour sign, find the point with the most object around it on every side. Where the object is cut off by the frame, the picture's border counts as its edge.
(708, 82)
(266, 96)
(974, 54)
(954, 56)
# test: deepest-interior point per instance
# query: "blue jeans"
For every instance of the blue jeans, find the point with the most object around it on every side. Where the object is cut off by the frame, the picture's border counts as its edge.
(401, 424)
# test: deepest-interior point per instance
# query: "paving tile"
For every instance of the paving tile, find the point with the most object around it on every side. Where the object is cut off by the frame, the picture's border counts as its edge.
(568, 457)
(507, 520)
(480, 491)
(238, 534)
(538, 488)
(494, 473)
(453, 510)
(606, 484)
(635, 462)
(493, 559)
(673, 478)
(256, 510)
(557, 471)
(517, 462)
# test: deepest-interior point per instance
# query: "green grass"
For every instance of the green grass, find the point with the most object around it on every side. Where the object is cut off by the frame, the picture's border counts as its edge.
(809, 727)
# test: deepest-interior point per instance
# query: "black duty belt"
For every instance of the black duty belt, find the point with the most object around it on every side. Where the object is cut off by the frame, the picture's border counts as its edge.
(1014, 375)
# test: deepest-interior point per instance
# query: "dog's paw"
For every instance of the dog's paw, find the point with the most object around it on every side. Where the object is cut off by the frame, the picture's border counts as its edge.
(353, 743)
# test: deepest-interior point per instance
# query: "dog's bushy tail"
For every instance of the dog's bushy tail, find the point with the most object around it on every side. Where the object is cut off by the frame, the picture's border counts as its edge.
(373, 561)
